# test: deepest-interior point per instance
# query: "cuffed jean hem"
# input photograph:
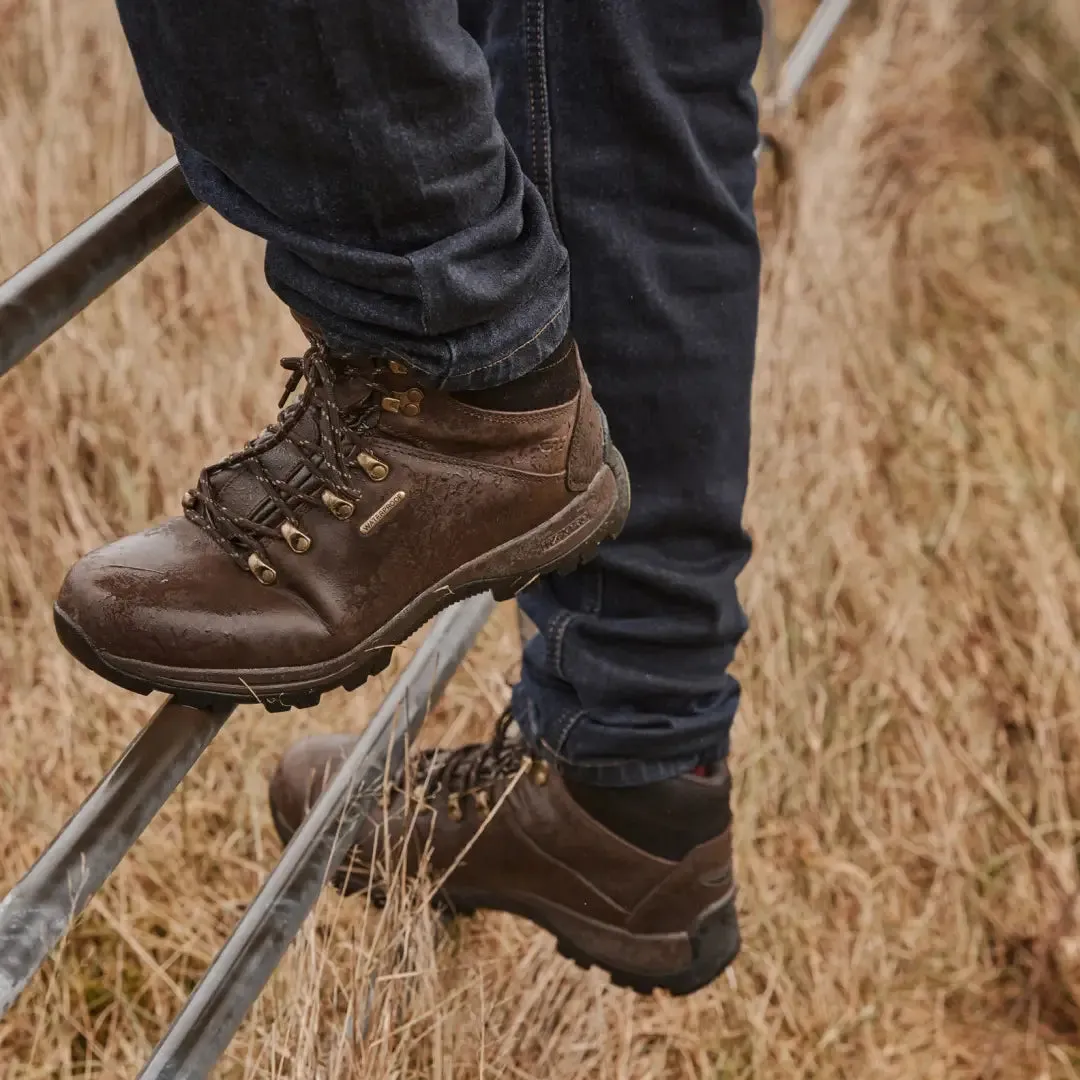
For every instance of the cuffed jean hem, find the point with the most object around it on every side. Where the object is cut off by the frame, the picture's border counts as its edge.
(477, 308)
(566, 735)
(470, 360)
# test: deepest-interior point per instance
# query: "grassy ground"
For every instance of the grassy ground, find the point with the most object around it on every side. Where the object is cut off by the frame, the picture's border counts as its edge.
(908, 759)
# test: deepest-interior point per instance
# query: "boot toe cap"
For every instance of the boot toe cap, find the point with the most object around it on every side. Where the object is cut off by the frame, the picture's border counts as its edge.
(169, 596)
(302, 774)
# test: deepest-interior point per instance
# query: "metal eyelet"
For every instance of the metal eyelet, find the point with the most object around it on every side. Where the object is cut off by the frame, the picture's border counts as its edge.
(297, 540)
(265, 573)
(188, 501)
(453, 807)
(483, 804)
(375, 469)
(397, 367)
(408, 403)
(540, 773)
(339, 507)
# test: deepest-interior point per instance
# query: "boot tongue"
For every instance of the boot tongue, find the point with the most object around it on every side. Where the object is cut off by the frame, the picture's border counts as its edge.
(354, 385)
(351, 368)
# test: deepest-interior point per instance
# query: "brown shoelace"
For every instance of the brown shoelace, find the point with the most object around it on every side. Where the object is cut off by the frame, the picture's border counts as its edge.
(474, 771)
(327, 457)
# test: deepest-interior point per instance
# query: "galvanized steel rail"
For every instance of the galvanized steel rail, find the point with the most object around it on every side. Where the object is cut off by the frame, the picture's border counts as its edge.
(75, 271)
(34, 915)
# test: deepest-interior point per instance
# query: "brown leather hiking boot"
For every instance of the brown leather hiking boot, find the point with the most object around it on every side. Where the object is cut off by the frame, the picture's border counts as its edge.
(640, 884)
(370, 505)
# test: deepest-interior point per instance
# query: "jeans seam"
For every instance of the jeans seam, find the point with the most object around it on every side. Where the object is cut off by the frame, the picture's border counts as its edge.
(549, 165)
(539, 102)
(424, 321)
(556, 633)
(563, 728)
(531, 85)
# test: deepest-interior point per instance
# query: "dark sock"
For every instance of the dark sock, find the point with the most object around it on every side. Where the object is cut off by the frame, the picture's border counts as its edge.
(554, 382)
(669, 818)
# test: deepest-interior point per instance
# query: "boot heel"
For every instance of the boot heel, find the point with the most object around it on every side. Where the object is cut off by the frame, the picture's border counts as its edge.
(714, 942)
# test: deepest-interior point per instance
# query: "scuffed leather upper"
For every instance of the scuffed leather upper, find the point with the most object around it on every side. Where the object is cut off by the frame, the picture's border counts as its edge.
(471, 480)
(540, 843)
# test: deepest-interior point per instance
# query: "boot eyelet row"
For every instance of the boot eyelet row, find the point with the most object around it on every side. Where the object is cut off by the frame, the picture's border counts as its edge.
(297, 539)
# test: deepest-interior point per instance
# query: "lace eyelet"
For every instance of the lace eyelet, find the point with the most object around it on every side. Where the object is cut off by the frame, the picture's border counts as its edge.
(376, 470)
(298, 541)
(341, 508)
(483, 803)
(453, 807)
(263, 571)
(540, 773)
(407, 403)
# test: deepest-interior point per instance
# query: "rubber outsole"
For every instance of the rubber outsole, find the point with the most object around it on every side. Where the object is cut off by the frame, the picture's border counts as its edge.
(714, 944)
(79, 645)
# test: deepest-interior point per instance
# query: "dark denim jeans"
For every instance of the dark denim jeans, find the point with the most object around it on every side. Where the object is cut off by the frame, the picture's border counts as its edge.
(420, 170)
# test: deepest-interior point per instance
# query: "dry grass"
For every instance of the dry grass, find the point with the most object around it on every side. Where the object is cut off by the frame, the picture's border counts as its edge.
(908, 759)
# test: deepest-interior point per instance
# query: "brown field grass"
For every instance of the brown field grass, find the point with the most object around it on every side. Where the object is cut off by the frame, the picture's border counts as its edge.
(908, 758)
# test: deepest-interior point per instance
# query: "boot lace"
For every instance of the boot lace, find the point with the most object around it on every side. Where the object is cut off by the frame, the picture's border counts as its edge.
(476, 770)
(327, 456)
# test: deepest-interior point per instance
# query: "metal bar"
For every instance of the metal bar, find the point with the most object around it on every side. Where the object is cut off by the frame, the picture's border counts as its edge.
(808, 49)
(38, 910)
(58, 284)
(209, 1019)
